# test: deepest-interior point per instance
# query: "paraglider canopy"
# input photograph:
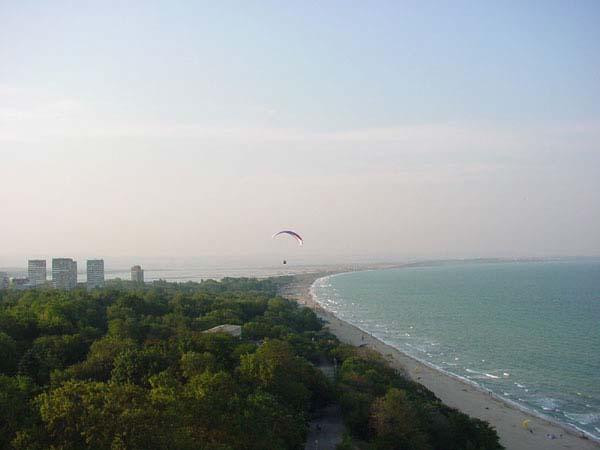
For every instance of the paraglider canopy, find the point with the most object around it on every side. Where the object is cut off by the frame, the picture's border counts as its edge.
(291, 233)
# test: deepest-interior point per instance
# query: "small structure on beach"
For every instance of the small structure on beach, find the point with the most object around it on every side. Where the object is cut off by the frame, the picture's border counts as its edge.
(233, 330)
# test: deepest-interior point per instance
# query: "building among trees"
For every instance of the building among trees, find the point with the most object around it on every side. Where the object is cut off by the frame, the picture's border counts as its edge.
(4, 280)
(64, 273)
(95, 273)
(36, 272)
(137, 274)
(19, 283)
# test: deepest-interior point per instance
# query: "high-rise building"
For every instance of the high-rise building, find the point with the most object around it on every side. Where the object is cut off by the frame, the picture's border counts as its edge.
(95, 273)
(73, 274)
(4, 280)
(36, 271)
(64, 273)
(137, 274)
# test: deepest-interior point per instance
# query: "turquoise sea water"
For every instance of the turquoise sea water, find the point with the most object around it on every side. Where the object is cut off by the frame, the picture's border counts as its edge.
(528, 331)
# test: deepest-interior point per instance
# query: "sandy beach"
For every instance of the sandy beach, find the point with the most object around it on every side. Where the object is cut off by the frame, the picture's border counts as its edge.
(506, 418)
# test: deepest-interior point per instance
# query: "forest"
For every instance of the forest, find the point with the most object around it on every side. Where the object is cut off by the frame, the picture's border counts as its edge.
(132, 367)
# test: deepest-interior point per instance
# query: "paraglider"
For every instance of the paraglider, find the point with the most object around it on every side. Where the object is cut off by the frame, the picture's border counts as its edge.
(291, 233)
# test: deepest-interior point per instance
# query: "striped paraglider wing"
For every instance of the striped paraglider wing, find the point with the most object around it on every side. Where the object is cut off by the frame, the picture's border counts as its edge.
(291, 233)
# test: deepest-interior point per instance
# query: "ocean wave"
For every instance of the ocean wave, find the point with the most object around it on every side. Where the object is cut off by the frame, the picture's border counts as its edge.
(482, 375)
(547, 403)
(419, 348)
(584, 419)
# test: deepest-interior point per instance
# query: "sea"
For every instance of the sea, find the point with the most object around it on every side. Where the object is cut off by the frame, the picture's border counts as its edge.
(529, 332)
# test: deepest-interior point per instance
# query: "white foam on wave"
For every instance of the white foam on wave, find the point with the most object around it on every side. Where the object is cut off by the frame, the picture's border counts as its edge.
(584, 419)
(482, 375)
(547, 403)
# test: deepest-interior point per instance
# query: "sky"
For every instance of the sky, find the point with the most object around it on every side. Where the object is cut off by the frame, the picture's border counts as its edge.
(377, 130)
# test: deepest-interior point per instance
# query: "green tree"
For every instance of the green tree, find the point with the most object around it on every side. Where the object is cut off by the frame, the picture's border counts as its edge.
(97, 415)
(396, 424)
(8, 354)
(269, 424)
(15, 410)
(137, 366)
(275, 369)
(193, 363)
(214, 402)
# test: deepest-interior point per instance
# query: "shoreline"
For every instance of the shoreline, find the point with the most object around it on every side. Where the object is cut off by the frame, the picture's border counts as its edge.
(468, 397)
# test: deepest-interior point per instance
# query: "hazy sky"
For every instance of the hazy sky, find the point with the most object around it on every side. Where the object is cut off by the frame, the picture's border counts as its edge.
(375, 129)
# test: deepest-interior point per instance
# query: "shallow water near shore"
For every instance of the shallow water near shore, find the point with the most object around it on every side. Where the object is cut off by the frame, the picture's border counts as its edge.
(529, 332)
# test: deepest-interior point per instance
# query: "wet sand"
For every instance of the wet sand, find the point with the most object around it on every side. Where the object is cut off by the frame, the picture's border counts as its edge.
(465, 397)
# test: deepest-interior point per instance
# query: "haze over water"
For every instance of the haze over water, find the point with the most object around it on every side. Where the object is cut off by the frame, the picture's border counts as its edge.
(529, 332)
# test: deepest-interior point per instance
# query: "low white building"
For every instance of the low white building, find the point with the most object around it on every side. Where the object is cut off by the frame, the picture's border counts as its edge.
(19, 283)
(233, 330)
